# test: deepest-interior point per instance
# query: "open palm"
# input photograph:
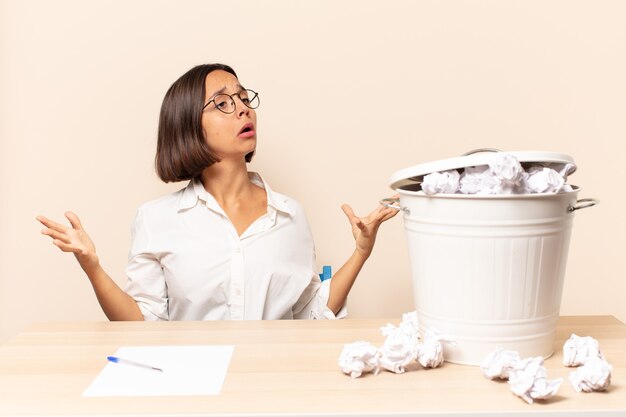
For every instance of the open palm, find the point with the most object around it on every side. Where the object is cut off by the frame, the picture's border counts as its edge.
(364, 229)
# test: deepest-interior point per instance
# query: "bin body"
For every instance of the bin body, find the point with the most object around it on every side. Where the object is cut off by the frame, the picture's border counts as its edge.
(488, 271)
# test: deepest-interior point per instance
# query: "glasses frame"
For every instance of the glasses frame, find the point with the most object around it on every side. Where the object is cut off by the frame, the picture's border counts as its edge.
(254, 95)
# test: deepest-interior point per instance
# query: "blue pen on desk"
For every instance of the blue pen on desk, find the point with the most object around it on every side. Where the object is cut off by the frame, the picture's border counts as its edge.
(121, 361)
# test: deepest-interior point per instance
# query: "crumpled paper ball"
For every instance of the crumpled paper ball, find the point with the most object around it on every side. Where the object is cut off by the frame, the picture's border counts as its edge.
(577, 350)
(401, 344)
(543, 180)
(359, 357)
(398, 350)
(498, 364)
(410, 321)
(430, 352)
(441, 182)
(478, 180)
(594, 375)
(528, 380)
(508, 172)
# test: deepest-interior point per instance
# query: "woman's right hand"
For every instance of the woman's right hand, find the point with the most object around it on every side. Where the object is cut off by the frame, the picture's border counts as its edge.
(116, 304)
(72, 239)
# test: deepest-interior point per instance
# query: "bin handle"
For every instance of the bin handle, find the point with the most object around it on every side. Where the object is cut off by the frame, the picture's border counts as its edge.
(390, 203)
(473, 151)
(583, 203)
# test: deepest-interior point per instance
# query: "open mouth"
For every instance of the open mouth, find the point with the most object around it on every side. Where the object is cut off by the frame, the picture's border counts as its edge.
(248, 127)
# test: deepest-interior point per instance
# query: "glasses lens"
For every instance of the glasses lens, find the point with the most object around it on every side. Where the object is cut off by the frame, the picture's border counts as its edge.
(224, 103)
(250, 98)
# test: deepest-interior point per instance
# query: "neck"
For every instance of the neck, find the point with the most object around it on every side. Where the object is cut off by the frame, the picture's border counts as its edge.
(227, 180)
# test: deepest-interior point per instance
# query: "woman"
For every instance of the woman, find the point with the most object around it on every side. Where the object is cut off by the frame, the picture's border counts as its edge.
(226, 246)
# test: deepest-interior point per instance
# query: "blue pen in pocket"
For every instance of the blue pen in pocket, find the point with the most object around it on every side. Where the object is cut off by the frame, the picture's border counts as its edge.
(326, 273)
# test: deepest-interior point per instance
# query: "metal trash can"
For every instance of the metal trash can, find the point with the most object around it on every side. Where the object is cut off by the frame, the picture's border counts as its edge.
(488, 270)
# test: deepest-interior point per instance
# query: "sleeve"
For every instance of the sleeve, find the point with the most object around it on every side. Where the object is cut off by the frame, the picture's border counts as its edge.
(314, 299)
(313, 302)
(146, 281)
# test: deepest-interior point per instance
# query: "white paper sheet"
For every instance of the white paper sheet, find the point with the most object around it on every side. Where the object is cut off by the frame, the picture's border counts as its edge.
(187, 370)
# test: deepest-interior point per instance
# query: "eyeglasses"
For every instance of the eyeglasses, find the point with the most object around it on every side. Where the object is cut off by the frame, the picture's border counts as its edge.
(226, 103)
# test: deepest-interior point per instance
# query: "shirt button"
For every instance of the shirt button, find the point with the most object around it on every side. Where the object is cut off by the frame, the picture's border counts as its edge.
(237, 292)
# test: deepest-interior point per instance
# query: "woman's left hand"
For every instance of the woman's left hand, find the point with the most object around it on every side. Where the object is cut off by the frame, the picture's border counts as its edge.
(365, 229)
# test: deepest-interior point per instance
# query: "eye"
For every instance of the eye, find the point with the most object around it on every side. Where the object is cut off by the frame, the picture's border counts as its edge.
(221, 101)
(243, 96)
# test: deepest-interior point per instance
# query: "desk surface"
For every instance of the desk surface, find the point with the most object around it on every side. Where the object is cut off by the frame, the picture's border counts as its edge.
(282, 367)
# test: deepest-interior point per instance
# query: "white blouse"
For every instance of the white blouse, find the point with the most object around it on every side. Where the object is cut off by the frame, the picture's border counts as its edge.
(187, 261)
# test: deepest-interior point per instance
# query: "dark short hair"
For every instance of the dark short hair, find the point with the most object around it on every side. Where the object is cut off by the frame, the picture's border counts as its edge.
(182, 150)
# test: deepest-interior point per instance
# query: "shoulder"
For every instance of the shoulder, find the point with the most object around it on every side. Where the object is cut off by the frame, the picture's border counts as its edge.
(160, 206)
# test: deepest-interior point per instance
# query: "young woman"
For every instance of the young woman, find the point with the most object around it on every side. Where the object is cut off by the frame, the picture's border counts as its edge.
(226, 246)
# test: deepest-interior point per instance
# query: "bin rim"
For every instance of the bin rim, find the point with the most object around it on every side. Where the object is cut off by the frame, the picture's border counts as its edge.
(419, 193)
(415, 173)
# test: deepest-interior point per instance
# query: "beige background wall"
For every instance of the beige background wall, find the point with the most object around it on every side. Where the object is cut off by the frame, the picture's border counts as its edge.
(351, 92)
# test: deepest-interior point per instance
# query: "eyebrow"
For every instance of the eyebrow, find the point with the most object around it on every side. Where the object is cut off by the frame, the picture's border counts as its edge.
(223, 90)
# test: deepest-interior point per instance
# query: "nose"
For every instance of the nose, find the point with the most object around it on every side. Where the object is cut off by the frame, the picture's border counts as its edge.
(241, 108)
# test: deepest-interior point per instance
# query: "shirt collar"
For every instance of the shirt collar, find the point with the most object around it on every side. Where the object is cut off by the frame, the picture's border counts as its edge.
(191, 194)
(195, 191)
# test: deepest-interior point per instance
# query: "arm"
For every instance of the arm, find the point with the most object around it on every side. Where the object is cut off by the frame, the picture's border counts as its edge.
(364, 230)
(116, 304)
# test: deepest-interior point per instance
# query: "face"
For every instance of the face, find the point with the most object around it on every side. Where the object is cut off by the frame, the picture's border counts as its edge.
(229, 136)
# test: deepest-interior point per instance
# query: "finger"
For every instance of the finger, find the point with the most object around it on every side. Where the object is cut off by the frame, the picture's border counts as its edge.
(52, 224)
(382, 213)
(348, 211)
(378, 213)
(382, 216)
(74, 220)
(56, 235)
(377, 210)
(389, 213)
(387, 217)
(65, 247)
(353, 218)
